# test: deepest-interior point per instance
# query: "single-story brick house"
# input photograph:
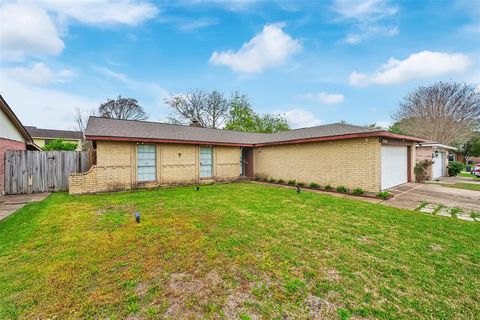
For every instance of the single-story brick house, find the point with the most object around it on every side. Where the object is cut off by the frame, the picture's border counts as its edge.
(439, 154)
(42, 137)
(134, 154)
(13, 136)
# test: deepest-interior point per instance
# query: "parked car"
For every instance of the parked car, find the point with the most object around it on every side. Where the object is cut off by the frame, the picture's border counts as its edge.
(476, 170)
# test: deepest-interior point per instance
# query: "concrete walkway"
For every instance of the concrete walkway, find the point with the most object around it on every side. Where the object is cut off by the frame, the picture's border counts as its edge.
(10, 204)
(412, 195)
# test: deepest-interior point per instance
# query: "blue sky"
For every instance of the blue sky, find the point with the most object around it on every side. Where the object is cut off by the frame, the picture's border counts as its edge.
(315, 61)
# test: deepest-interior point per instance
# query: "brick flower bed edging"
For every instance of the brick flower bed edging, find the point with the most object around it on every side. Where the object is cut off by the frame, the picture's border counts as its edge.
(369, 195)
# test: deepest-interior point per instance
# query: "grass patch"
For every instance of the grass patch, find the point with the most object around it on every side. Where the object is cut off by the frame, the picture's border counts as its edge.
(239, 250)
(467, 186)
(466, 175)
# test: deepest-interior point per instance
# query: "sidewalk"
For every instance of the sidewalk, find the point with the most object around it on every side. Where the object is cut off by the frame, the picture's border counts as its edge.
(10, 204)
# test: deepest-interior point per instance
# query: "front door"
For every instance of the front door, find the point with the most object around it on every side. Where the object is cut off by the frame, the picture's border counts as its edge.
(206, 161)
(247, 157)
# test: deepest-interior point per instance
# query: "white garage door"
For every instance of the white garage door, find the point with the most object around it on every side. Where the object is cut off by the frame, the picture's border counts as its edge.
(437, 167)
(394, 166)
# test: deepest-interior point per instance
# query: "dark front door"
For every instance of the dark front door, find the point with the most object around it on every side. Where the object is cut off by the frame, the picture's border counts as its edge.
(247, 156)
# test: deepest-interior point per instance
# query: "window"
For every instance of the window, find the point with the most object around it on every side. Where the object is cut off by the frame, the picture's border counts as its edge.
(146, 163)
(206, 162)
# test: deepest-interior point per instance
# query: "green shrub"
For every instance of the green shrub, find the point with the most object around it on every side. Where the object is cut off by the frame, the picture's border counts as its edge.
(358, 192)
(300, 184)
(281, 181)
(328, 187)
(420, 170)
(454, 168)
(292, 182)
(60, 144)
(384, 195)
(258, 178)
(265, 179)
(271, 180)
(341, 189)
(314, 185)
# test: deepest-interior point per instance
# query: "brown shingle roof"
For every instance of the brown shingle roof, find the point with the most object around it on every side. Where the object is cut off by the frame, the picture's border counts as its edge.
(106, 129)
(54, 134)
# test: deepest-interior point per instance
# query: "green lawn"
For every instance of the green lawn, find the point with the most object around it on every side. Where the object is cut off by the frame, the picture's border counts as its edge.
(235, 251)
(466, 185)
(466, 175)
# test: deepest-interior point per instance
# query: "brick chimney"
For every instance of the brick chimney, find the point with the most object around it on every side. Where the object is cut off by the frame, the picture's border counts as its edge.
(195, 123)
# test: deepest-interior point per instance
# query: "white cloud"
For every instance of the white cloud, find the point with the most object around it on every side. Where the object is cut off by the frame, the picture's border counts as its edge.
(112, 74)
(27, 30)
(267, 49)
(44, 107)
(39, 74)
(102, 12)
(196, 24)
(369, 31)
(367, 16)
(34, 28)
(364, 10)
(324, 98)
(385, 124)
(299, 118)
(420, 65)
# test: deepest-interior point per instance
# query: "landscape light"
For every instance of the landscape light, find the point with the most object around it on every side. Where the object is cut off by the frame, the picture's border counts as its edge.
(137, 216)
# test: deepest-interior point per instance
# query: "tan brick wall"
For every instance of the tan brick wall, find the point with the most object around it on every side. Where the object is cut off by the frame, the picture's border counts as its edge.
(178, 163)
(116, 167)
(352, 163)
(425, 153)
(227, 160)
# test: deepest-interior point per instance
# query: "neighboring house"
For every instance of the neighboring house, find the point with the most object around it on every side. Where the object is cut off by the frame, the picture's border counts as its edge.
(472, 160)
(134, 154)
(439, 154)
(13, 136)
(42, 137)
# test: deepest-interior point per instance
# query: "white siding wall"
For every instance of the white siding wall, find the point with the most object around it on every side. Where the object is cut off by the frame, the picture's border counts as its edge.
(8, 130)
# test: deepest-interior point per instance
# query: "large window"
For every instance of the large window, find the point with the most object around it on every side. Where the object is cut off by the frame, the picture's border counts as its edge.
(206, 162)
(146, 163)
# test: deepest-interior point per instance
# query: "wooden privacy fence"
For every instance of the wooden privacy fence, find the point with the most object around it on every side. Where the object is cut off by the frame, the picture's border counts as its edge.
(42, 171)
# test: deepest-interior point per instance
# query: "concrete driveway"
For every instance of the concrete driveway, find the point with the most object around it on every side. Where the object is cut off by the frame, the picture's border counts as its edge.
(411, 195)
(10, 204)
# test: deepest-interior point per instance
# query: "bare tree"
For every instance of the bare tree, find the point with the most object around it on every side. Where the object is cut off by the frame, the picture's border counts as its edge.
(208, 109)
(81, 118)
(122, 108)
(447, 112)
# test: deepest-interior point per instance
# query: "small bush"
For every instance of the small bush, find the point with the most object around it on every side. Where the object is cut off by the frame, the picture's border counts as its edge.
(258, 178)
(265, 179)
(300, 184)
(384, 195)
(314, 185)
(341, 189)
(454, 168)
(292, 182)
(271, 180)
(328, 187)
(420, 170)
(281, 181)
(358, 192)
